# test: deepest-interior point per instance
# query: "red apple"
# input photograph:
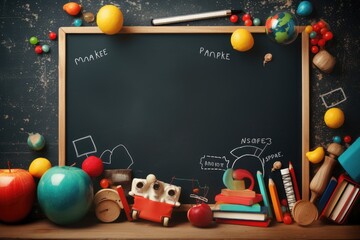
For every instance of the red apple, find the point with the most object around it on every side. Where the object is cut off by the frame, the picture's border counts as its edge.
(17, 192)
(200, 215)
(93, 166)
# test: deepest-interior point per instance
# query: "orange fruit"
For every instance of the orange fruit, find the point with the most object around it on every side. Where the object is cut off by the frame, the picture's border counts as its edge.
(72, 8)
(334, 118)
(242, 40)
(110, 19)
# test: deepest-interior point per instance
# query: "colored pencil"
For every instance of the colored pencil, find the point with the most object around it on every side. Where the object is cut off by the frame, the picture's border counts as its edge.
(263, 192)
(275, 201)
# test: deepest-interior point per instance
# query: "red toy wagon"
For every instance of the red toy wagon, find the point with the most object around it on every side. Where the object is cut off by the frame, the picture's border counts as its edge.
(154, 200)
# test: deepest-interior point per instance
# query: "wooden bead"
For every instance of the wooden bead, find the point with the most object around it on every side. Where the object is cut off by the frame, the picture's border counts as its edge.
(324, 61)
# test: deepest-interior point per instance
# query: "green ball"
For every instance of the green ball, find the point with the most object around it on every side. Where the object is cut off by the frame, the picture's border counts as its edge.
(34, 40)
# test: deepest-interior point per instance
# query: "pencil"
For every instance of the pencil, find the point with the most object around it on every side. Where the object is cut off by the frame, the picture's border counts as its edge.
(293, 178)
(193, 17)
(263, 192)
(125, 204)
(275, 201)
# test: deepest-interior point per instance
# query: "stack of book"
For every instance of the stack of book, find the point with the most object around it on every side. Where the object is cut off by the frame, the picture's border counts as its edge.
(342, 198)
(240, 207)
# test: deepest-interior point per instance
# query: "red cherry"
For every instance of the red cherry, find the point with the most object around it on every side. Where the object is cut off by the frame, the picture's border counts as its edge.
(328, 35)
(104, 183)
(347, 139)
(314, 49)
(248, 22)
(246, 16)
(234, 18)
(38, 49)
(287, 218)
(52, 35)
(321, 42)
(284, 202)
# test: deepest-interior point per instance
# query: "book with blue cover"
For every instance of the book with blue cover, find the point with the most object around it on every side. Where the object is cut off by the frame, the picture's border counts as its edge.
(327, 194)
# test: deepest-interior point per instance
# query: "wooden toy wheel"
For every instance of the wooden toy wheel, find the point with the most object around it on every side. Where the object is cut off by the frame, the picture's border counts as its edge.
(166, 221)
(134, 215)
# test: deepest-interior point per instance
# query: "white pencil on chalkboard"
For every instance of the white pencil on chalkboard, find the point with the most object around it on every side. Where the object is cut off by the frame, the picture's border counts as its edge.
(193, 17)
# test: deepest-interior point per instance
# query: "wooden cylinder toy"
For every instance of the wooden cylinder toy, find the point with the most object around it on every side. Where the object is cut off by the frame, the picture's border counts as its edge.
(324, 61)
(322, 177)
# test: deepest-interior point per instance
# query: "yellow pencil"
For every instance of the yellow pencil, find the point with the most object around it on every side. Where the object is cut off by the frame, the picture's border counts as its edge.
(275, 201)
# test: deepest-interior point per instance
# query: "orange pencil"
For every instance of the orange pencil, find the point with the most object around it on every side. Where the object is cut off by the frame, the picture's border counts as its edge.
(275, 201)
(295, 185)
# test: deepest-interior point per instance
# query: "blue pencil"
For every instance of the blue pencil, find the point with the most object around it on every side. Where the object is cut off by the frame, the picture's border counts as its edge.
(263, 192)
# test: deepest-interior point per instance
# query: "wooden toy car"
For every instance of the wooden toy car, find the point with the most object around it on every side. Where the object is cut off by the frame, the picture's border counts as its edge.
(154, 200)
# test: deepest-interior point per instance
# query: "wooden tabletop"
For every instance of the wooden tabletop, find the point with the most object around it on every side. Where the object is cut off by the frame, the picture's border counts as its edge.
(179, 228)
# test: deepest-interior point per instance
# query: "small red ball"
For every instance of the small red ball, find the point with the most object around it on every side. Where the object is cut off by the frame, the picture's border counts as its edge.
(104, 183)
(93, 166)
(314, 49)
(314, 41)
(347, 139)
(234, 18)
(328, 35)
(324, 30)
(246, 16)
(321, 42)
(284, 202)
(38, 49)
(287, 218)
(248, 22)
(316, 27)
(52, 36)
(321, 24)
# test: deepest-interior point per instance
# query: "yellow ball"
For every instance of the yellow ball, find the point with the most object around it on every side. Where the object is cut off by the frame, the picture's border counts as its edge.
(334, 118)
(242, 40)
(308, 29)
(110, 19)
(39, 166)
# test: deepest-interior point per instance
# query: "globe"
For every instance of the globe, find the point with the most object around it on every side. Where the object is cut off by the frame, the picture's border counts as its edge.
(281, 27)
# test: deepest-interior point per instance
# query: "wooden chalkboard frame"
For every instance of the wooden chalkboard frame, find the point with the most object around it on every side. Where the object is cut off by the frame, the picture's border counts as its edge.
(179, 30)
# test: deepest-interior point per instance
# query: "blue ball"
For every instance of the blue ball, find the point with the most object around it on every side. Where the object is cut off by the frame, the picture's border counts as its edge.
(65, 194)
(305, 8)
(337, 139)
(77, 22)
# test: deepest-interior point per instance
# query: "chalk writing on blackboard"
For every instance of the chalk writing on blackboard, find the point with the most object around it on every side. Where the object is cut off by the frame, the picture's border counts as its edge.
(95, 55)
(333, 98)
(208, 162)
(86, 145)
(203, 190)
(249, 148)
(221, 55)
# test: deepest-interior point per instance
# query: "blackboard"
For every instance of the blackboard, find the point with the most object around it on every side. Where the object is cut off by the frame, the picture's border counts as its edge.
(180, 103)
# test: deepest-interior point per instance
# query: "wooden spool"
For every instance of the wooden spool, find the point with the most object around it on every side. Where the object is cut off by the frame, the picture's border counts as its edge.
(324, 61)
